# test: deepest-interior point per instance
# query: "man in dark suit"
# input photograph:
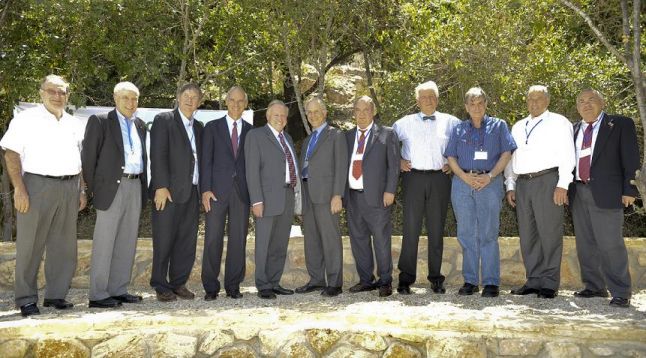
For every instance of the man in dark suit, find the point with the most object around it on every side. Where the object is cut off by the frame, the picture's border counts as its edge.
(372, 183)
(607, 158)
(174, 141)
(272, 177)
(324, 163)
(114, 168)
(224, 194)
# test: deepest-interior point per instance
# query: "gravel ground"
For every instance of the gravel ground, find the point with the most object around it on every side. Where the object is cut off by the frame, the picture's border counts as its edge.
(507, 305)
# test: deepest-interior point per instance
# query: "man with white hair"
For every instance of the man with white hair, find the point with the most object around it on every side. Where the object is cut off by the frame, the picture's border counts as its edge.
(537, 179)
(43, 154)
(426, 185)
(114, 168)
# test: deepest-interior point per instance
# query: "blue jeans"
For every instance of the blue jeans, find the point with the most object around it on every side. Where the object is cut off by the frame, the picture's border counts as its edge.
(478, 217)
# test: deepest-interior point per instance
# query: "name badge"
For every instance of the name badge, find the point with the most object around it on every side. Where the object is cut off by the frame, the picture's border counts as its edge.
(585, 152)
(480, 155)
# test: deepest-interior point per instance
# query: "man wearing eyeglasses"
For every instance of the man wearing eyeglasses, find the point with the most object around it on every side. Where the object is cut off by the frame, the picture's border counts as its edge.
(43, 154)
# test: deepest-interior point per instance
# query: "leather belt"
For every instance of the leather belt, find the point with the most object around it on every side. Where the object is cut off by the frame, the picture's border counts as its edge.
(581, 182)
(473, 171)
(304, 180)
(60, 177)
(426, 171)
(131, 176)
(357, 190)
(537, 174)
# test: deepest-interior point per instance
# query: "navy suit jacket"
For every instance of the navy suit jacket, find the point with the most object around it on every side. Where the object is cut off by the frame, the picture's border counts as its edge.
(614, 162)
(171, 156)
(380, 164)
(103, 160)
(219, 168)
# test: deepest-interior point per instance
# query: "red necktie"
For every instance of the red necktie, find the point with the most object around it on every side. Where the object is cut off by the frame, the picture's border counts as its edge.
(357, 168)
(234, 139)
(290, 161)
(584, 162)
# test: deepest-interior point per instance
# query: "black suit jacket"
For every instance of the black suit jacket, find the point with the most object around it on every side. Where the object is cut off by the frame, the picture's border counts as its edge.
(171, 156)
(380, 163)
(219, 168)
(103, 158)
(614, 161)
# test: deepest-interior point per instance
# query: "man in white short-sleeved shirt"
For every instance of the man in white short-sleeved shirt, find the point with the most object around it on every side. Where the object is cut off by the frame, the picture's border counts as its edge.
(42, 150)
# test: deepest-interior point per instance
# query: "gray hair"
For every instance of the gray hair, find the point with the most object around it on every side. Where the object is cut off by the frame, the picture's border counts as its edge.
(317, 100)
(276, 102)
(125, 86)
(539, 89)
(428, 85)
(189, 87)
(237, 88)
(55, 79)
(596, 92)
(366, 99)
(475, 92)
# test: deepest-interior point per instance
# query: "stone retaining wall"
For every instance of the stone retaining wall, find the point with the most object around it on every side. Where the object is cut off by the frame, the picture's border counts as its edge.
(511, 267)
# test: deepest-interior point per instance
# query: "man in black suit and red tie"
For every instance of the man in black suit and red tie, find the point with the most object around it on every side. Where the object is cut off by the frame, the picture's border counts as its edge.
(607, 158)
(224, 194)
(174, 141)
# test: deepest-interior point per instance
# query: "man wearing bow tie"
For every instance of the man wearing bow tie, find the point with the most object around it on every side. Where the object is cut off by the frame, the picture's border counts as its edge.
(426, 185)
(607, 157)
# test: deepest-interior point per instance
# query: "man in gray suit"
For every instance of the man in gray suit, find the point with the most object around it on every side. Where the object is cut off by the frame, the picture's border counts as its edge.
(324, 163)
(272, 177)
(372, 183)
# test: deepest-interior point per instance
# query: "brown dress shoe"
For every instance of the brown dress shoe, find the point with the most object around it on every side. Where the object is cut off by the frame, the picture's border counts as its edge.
(166, 296)
(183, 293)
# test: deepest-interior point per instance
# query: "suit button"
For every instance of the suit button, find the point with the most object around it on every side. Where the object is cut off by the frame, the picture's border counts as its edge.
(123, 168)
(118, 181)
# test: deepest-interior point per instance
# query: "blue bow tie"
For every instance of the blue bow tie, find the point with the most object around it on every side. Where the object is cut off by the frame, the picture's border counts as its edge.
(428, 117)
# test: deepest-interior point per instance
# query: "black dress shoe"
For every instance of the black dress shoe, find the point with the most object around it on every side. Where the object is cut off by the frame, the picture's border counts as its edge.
(58, 303)
(309, 288)
(279, 290)
(620, 302)
(331, 291)
(589, 293)
(490, 291)
(29, 309)
(267, 294)
(362, 287)
(235, 294)
(105, 303)
(438, 286)
(385, 290)
(403, 290)
(128, 298)
(524, 290)
(546, 293)
(468, 289)
(210, 296)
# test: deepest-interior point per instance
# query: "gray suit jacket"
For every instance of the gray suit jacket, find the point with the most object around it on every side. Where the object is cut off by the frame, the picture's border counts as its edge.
(327, 165)
(380, 163)
(265, 169)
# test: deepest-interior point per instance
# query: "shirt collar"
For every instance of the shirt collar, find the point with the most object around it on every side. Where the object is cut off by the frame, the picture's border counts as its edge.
(540, 116)
(275, 132)
(320, 128)
(421, 115)
(485, 120)
(187, 122)
(368, 128)
(231, 120)
(122, 117)
(598, 121)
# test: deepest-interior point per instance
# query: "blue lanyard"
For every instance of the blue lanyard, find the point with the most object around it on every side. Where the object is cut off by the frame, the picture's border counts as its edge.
(530, 132)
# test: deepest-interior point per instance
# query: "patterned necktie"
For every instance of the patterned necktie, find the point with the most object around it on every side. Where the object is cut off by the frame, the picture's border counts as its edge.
(357, 168)
(290, 160)
(584, 162)
(234, 139)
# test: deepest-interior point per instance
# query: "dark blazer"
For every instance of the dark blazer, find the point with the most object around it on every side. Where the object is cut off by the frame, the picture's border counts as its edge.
(219, 168)
(171, 157)
(103, 158)
(327, 165)
(380, 163)
(265, 165)
(614, 161)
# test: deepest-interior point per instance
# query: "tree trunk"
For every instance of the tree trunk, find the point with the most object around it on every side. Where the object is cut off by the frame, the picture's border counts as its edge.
(291, 69)
(373, 93)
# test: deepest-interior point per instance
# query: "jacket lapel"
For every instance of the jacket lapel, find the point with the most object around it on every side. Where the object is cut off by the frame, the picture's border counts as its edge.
(325, 133)
(272, 138)
(374, 132)
(605, 128)
(115, 130)
(180, 127)
(224, 134)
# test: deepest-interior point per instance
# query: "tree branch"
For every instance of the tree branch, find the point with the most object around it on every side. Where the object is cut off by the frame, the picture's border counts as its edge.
(3, 14)
(335, 61)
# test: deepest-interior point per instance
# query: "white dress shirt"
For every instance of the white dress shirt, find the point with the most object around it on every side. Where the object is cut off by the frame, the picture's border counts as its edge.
(357, 184)
(287, 179)
(188, 125)
(543, 142)
(424, 141)
(132, 149)
(47, 146)
(579, 140)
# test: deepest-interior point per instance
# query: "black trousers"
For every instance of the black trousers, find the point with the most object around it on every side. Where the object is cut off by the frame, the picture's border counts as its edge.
(174, 240)
(236, 210)
(426, 196)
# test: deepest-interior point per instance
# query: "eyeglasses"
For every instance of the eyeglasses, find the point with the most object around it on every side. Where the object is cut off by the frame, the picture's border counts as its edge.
(52, 92)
